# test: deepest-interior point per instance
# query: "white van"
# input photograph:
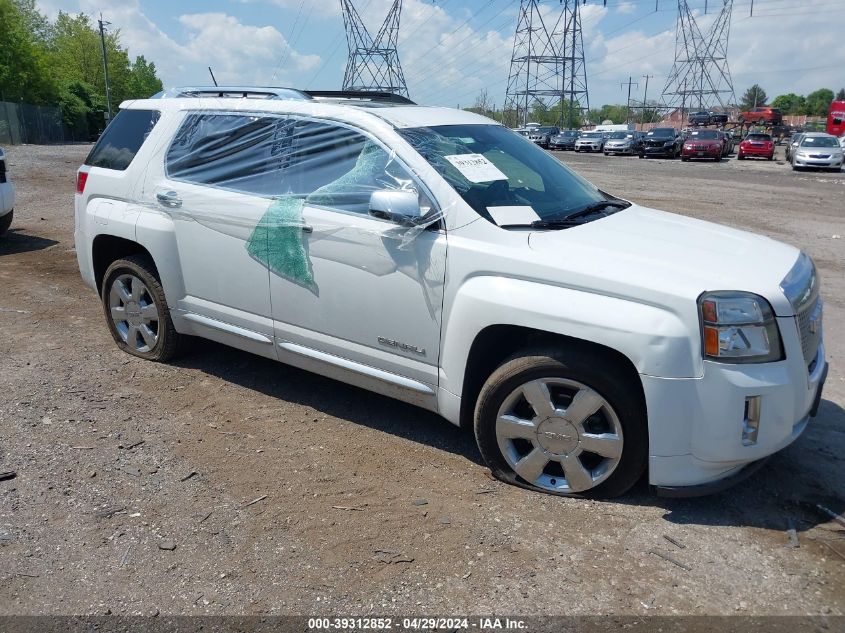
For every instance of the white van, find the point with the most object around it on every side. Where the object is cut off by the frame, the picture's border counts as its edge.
(434, 256)
(7, 195)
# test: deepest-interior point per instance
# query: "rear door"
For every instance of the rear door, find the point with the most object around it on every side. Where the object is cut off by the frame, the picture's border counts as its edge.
(216, 183)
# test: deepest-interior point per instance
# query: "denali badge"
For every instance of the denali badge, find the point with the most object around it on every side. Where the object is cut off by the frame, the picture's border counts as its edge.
(403, 346)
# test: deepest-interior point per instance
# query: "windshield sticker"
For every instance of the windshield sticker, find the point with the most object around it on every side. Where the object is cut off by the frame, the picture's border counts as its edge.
(476, 168)
(513, 215)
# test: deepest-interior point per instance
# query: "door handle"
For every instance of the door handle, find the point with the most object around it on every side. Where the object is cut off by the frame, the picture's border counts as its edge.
(307, 229)
(169, 199)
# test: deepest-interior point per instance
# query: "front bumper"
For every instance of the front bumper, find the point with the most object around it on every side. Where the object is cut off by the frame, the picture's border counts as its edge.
(623, 149)
(696, 424)
(588, 147)
(756, 151)
(659, 151)
(818, 162)
(706, 152)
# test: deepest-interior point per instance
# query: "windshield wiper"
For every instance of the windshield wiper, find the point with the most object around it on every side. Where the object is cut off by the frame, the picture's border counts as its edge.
(595, 207)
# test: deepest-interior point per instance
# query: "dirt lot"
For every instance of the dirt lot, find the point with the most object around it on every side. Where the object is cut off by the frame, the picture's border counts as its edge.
(135, 479)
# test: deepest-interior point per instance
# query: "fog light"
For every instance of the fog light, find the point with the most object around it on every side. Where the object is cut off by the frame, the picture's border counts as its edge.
(751, 421)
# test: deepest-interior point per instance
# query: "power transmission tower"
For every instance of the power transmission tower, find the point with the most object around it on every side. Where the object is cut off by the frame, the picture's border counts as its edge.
(700, 75)
(373, 63)
(547, 64)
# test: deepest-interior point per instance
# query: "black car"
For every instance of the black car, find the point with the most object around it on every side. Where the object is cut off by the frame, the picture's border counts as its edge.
(700, 118)
(718, 118)
(564, 140)
(542, 135)
(662, 141)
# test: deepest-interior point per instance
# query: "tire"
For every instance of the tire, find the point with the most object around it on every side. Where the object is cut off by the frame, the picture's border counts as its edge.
(620, 412)
(120, 294)
(772, 157)
(684, 159)
(740, 157)
(718, 159)
(641, 155)
(6, 222)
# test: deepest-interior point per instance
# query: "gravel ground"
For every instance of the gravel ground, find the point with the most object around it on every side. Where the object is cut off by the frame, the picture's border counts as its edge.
(228, 484)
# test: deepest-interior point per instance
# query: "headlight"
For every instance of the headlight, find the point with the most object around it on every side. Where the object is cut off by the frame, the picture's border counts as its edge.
(738, 327)
(688, 147)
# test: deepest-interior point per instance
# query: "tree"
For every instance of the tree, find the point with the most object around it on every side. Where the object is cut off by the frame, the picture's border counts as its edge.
(142, 81)
(818, 102)
(754, 97)
(24, 69)
(840, 96)
(790, 103)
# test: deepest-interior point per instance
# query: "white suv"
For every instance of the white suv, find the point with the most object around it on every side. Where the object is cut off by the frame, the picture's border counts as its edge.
(434, 256)
(7, 195)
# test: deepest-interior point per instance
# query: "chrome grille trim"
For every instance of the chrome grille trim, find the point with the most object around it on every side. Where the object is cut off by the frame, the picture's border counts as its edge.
(810, 339)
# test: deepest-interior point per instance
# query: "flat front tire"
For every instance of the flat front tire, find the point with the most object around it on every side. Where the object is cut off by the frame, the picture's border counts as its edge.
(565, 422)
(136, 310)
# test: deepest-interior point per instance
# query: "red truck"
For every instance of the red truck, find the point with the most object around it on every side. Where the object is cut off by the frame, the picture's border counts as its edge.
(836, 118)
(764, 115)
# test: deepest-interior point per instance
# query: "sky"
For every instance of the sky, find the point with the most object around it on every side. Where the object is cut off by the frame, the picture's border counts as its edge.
(452, 49)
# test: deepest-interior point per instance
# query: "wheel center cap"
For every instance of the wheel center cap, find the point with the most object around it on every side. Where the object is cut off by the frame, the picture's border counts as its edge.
(556, 435)
(133, 313)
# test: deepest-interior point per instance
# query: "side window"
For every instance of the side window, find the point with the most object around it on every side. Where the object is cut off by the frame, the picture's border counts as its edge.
(273, 156)
(122, 139)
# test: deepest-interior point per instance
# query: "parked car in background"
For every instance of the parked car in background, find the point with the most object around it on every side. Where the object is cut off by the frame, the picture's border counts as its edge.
(524, 131)
(757, 144)
(622, 143)
(429, 255)
(763, 115)
(818, 149)
(727, 143)
(718, 118)
(564, 140)
(842, 141)
(662, 141)
(7, 195)
(703, 144)
(543, 135)
(700, 118)
(590, 142)
(794, 142)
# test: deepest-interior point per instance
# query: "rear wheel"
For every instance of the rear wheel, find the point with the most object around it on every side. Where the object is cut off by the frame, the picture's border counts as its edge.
(564, 422)
(6, 222)
(136, 310)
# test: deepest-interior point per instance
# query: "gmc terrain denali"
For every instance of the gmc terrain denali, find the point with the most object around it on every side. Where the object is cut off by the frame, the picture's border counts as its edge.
(434, 256)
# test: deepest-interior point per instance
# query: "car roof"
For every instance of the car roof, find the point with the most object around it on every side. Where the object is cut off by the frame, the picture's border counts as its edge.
(397, 115)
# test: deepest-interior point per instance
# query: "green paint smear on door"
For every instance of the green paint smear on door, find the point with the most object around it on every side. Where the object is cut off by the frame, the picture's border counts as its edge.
(277, 242)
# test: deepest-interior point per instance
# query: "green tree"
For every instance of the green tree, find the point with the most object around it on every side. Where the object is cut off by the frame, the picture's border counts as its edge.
(24, 69)
(36, 22)
(818, 102)
(790, 103)
(754, 97)
(142, 82)
(840, 96)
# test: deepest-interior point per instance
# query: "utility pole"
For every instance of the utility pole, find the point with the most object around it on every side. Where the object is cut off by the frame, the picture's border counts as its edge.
(212, 76)
(628, 103)
(645, 95)
(105, 62)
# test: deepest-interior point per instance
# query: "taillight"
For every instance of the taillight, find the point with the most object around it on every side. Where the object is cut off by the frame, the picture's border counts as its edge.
(81, 179)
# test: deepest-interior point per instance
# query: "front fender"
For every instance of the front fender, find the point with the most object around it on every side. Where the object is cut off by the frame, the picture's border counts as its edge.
(653, 338)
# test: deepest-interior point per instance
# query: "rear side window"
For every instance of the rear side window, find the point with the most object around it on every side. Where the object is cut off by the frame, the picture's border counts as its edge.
(122, 139)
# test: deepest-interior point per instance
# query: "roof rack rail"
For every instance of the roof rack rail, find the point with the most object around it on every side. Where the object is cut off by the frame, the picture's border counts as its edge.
(364, 95)
(237, 92)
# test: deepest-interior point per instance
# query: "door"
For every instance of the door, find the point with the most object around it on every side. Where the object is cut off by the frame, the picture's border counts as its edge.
(357, 298)
(215, 185)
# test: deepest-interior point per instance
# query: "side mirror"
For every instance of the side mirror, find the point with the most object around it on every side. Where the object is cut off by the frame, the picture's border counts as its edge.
(402, 207)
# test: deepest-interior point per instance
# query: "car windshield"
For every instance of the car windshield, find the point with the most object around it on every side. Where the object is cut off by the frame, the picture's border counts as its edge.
(758, 137)
(819, 141)
(545, 130)
(591, 135)
(621, 135)
(705, 135)
(490, 166)
(662, 132)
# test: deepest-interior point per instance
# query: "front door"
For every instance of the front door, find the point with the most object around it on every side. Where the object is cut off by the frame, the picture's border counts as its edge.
(353, 296)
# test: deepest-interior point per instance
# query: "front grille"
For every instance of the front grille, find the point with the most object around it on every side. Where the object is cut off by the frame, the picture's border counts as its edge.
(808, 317)
(823, 156)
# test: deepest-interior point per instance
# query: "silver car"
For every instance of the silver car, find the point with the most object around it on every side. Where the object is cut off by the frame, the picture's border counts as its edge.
(818, 150)
(794, 142)
(590, 142)
(621, 143)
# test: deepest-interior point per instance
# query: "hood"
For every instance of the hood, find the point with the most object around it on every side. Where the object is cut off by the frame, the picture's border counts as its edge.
(643, 254)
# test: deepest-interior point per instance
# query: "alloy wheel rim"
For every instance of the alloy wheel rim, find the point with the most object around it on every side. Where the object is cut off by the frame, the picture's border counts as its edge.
(134, 313)
(559, 434)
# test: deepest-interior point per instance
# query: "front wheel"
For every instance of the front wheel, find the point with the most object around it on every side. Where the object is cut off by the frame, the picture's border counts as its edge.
(6, 222)
(136, 310)
(564, 422)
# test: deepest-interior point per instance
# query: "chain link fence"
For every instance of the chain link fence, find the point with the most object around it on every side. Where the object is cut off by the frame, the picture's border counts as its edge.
(41, 125)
